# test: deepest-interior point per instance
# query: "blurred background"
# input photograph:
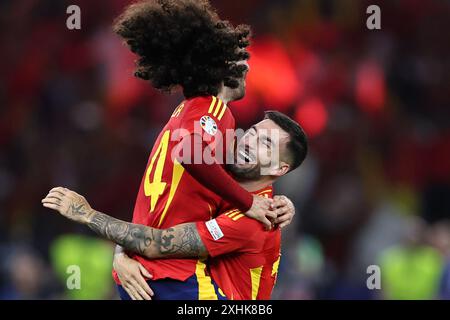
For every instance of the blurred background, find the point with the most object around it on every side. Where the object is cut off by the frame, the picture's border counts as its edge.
(374, 190)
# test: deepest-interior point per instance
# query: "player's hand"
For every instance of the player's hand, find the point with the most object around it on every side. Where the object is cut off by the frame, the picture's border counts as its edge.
(131, 275)
(261, 211)
(285, 210)
(69, 204)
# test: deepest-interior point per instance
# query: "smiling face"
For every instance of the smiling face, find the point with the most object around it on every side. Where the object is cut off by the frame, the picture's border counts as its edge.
(261, 151)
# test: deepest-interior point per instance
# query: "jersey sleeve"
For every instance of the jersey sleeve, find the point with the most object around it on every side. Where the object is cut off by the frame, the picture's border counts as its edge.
(231, 232)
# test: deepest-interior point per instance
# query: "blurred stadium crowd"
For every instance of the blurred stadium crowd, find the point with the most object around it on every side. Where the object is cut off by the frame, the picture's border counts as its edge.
(375, 189)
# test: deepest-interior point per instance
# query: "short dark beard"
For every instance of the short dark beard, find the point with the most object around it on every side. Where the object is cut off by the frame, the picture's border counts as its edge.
(245, 174)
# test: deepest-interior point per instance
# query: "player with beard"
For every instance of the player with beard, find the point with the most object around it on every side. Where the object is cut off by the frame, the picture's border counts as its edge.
(184, 45)
(243, 256)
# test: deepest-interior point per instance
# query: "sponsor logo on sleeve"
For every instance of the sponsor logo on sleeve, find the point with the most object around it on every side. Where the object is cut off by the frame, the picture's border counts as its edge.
(214, 229)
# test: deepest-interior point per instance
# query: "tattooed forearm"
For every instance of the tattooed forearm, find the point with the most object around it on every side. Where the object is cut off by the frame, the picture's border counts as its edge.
(132, 237)
(182, 241)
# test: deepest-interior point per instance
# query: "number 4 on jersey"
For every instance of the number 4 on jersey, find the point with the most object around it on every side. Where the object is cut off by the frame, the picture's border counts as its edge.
(154, 188)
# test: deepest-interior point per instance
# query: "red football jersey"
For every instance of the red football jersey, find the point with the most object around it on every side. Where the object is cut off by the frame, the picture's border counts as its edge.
(244, 257)
(169, 195)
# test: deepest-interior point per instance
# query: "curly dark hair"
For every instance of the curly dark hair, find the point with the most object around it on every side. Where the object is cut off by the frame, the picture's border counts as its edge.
(184, 43)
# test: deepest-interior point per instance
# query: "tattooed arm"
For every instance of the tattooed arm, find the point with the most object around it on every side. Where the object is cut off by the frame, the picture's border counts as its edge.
(181, 241)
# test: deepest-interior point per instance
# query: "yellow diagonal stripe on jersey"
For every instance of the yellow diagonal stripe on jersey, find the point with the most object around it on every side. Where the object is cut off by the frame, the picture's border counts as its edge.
(238, 217)
(205, 287)
(263, 192)
(177, 173)
(213, 103)
(222, 112)
(231, 211)
(234, 214)
(256, 279)
(275, 266)
(219, 104)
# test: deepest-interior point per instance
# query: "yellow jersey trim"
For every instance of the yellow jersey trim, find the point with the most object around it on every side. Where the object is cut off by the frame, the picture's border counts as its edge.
(231, 212)
(211, 106)
(256, 279)
(205, 287)
(222, 112)
(234, 214)
(219, 104)
(177, 173)
(275, 266)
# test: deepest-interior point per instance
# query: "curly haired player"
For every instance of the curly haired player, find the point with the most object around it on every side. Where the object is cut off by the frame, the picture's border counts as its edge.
(184, 44)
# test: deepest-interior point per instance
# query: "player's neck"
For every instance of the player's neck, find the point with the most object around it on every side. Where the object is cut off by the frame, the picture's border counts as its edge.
(224, 97)
(256, 185)
(225, 94)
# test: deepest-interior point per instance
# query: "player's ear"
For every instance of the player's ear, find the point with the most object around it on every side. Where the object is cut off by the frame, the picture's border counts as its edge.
(282, 169)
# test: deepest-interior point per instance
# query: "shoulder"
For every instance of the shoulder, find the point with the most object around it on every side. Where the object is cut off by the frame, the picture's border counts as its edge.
(200, 101)
(239, 221)
(209, 106)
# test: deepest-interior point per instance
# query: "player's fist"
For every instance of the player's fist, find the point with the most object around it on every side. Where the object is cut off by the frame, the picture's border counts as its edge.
(261, 211)
(69, 204)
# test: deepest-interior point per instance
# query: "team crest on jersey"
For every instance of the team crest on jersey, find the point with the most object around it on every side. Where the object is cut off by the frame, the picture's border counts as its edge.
(209, 125)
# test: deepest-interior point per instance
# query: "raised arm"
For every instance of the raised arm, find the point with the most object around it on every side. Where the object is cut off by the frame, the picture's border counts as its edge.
(181, 241)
